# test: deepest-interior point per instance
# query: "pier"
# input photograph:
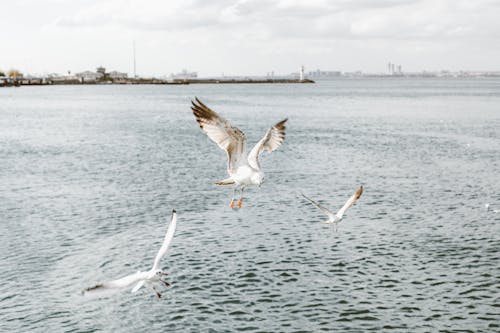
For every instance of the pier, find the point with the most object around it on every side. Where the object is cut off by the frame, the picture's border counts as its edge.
(132, 81)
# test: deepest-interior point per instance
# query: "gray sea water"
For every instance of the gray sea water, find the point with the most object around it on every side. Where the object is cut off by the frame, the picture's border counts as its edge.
(90, 174)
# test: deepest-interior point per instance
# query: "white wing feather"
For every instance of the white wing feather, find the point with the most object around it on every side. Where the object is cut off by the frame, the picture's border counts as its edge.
(166, 242)
(138, 286)
(323, 209)
(225, 135)
(118, 284)
(273, 138)
(352, 200)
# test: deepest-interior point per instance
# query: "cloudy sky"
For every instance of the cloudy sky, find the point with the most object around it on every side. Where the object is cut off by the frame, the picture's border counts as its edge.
(249, 36)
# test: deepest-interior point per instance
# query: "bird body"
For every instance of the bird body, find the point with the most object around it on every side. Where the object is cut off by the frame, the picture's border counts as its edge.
(243, 169)
(246, 175)
(149, 278)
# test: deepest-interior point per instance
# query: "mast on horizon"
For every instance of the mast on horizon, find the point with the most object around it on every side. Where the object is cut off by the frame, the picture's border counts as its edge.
(135, 74)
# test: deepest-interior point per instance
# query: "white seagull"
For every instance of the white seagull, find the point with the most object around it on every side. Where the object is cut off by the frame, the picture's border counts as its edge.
(243, 169)
(149, 278)
(487, 207)
(336, 218)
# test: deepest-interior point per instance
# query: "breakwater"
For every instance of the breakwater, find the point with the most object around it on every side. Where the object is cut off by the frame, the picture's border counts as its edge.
(44, 82)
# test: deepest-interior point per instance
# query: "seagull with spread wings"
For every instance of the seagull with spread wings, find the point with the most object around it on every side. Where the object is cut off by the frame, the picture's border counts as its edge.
(336, 218)
(154, 275)
(243, 169)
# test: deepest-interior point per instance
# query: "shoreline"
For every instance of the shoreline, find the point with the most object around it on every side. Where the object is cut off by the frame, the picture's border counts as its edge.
(48, 82)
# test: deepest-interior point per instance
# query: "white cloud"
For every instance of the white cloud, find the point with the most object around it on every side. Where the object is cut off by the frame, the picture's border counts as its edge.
(296, 18)
(246, 36)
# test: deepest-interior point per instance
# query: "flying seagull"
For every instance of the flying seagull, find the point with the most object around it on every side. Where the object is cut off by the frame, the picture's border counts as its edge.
(336, 218)
(487, 207)
(243, 169)
(149, 278)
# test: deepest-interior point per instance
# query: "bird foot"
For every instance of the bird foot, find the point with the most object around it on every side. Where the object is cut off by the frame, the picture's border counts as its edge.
(240, 203)
(231, 204)
(166, 283)
(158, 294)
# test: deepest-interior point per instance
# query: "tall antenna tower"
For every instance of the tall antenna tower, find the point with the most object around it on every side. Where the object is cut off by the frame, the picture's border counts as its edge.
(135, 74)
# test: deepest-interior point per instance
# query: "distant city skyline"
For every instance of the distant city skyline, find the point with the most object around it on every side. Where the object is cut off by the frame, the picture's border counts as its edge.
(249, 36)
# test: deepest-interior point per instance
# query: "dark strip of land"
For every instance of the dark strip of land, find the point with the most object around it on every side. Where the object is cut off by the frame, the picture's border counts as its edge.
(44, 82)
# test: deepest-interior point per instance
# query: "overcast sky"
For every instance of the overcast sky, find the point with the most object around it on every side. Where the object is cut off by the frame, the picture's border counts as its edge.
(249, 36)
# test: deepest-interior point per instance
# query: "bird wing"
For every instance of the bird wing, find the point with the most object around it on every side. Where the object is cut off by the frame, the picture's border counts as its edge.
(138, 286)
(106, 287)
(166, 242)
(219, 130)
(323, 209)
(352, 200)
(273, 138)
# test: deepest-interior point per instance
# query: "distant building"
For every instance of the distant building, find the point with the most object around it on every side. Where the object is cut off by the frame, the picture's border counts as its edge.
(354, 74)
(184, 75)
(4, 80)
(63, 79)
(324, 74)
(89, 76)
(393, 69)
(270, 74)
(115, 75)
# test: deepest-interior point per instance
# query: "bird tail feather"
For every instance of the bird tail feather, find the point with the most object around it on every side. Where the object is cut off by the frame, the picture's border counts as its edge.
(224, 182)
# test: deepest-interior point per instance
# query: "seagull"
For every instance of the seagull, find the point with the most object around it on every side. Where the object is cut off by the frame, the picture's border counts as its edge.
(243, 169)
(154, 275)
(336, 218)
(487, 207)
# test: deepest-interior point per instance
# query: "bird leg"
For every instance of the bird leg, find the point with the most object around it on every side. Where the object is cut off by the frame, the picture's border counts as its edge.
(157, 293)
(165, 283)
(240, 202)
(232, 199)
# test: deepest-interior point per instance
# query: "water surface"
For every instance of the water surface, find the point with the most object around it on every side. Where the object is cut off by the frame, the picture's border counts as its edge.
(89, 175)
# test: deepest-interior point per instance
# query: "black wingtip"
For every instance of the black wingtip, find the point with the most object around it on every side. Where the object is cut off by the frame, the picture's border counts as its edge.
(174, 211)
(195, 101)
(281, 123)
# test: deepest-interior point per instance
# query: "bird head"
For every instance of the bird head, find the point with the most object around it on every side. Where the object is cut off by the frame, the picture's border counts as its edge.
(156, 274)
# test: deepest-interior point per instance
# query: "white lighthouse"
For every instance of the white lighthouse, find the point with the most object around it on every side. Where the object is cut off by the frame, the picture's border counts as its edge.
(301, 73)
